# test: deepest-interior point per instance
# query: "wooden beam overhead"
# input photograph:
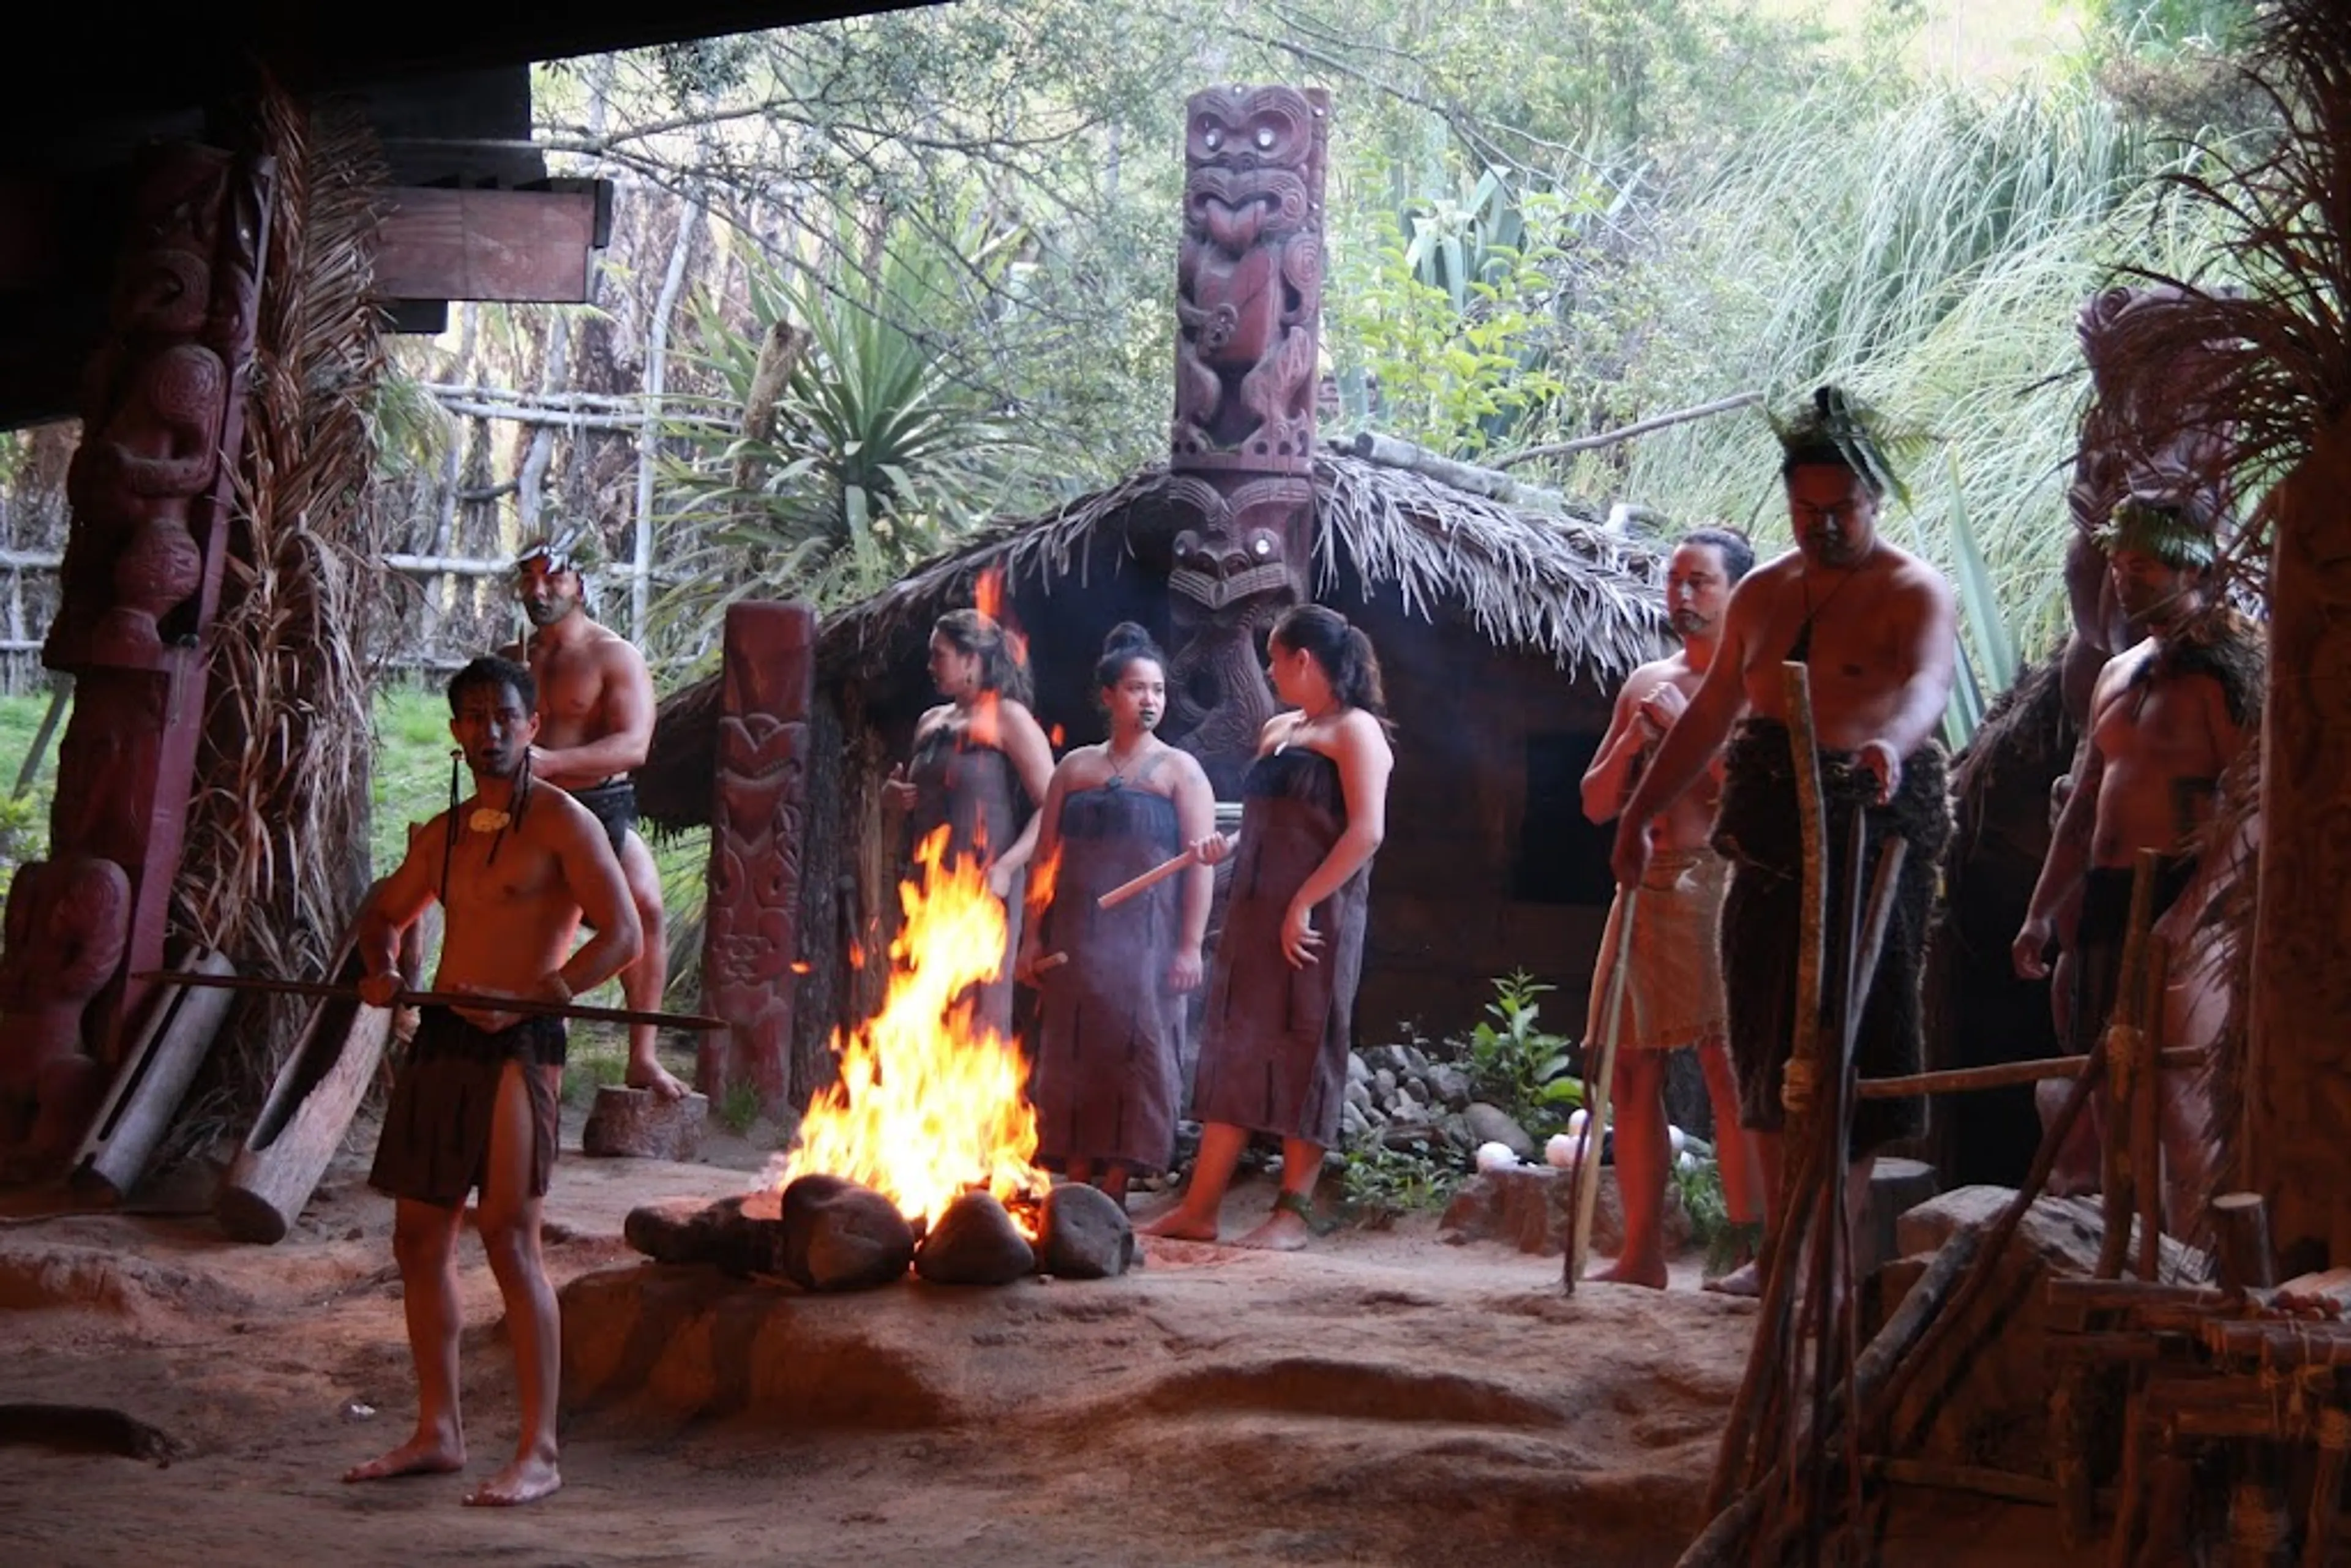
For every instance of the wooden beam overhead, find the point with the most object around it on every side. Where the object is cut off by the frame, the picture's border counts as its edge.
(507, 245)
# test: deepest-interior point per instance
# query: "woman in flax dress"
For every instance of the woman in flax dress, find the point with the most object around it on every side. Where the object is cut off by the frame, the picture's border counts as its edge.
(1110, 1016)
(980, 760)
(1281, 992)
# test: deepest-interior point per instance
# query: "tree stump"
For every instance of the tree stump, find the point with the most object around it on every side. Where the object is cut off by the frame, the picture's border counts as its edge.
(639, 1123)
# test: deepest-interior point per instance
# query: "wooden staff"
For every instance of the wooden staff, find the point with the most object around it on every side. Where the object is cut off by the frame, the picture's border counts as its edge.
(1049, 961)
(2120, 1040)
(1147, 881)
(2002, 1074)
(1586, 1179)
(484, 1001)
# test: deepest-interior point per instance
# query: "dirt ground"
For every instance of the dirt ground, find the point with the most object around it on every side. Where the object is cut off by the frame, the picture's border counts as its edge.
(1384, 1398)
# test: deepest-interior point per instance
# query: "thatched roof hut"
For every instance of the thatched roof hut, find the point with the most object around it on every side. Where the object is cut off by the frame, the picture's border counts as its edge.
(1502, 631)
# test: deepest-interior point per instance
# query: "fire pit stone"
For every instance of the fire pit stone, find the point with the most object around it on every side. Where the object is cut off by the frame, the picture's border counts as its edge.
(975, 1242)
(1086, 1235)
(838, 1235)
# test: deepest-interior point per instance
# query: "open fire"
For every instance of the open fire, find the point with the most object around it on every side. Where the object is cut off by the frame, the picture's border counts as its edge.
(930, 1101)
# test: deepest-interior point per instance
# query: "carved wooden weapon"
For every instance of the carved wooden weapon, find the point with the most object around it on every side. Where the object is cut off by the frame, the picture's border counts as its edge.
(406, 998)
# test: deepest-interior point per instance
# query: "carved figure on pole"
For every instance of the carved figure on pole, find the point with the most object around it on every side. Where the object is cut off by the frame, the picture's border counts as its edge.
(1249, 310)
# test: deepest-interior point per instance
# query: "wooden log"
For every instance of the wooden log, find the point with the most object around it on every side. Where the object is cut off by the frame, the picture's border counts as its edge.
(637, 1124)
(173, 1038)
(308, 1110)
(2171, 1488)
(1977, 1479)
(2273, 1343)
(2098, 1295)
(2334, 1432)
(2241, 1228)
(2130, 1488)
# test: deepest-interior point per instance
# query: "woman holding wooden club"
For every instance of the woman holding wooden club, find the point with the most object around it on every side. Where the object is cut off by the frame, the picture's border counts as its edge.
(1112, 1013)
(1275, 1036)
(979, 759)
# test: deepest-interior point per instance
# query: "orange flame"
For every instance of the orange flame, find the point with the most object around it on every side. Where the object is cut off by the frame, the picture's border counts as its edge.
(1042, 875)
(930, 1101)
(803, 967)
(987, 593)
(1054, 735)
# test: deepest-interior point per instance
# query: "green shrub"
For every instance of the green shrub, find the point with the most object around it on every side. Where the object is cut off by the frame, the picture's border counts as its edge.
(1518, 1065)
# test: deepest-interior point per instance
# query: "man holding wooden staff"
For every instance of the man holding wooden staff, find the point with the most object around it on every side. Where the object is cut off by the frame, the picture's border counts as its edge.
(1876, 627)
(2167, 716)
(517, 869)
(1672, 994)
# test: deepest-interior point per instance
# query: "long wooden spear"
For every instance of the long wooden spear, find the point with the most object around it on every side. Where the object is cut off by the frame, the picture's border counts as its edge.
(533, 1006)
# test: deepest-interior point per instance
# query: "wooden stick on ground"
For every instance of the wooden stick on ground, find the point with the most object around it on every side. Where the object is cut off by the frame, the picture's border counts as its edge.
(1586, 1179)
(2002, 1074)
(532, 1006)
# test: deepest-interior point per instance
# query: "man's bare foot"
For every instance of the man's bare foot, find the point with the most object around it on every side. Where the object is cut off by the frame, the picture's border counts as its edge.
(1746, 1280)
(1283, 1231)
(416, 1457)
(650, 1074)
(525, 1480)
(1629, 1271)
(1178, 1225)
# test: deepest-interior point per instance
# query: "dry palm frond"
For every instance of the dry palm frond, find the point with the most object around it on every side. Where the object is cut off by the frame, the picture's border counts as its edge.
(1561, 585)
(268, 874)
(2274, 332)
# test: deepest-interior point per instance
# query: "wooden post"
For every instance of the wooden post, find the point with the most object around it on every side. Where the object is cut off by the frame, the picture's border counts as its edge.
(2147, 1147)
(759, 841)
(2119, 1044)
(2241, 1226)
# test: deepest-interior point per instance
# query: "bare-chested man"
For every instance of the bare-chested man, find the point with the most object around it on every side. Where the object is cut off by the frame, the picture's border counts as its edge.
(517, 870)
(2167, 716)
(1673, 986)
(596, 724)
(1876, 626)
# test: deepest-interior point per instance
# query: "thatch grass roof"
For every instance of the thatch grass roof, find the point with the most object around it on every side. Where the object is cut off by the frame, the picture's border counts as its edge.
(1556, 584)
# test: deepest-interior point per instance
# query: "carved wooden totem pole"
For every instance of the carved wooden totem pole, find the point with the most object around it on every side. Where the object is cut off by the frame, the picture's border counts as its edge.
(1249, 305)
(150, 491)
(750, 944)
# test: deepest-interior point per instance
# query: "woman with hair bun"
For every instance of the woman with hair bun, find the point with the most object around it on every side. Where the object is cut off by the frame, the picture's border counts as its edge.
(1281, 994)
(1111, 1018)
(981, 761)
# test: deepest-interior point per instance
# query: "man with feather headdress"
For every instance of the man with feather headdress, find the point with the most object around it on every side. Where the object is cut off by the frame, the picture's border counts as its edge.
(2167, 715)
(1876, 626)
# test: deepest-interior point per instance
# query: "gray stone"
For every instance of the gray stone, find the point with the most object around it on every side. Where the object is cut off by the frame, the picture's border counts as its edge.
(1086, 1234)
(1357, 1093)
(838, 1235)
(975, 1242)
(1415, 1059)
(1384, 1086)
(2063, 1233)
(1384, 1059)
(1352, 1122)
(1492, 1124)
(1449, 1086)
(636, 1123)
(1358, 1071)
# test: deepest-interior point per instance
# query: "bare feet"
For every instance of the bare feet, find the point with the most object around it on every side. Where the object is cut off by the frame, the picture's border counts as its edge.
(1179, 1225)
(1746, 1280)
(1630, 1270)
(1283, 1231)
(420, 1456)
(646, 1073)
(525, 1480)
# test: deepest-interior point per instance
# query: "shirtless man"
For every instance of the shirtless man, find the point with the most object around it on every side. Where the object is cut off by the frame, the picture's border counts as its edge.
(596, 719)
(1673, 988)
(2167, 716)
(517, 870)
(1876, 626)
